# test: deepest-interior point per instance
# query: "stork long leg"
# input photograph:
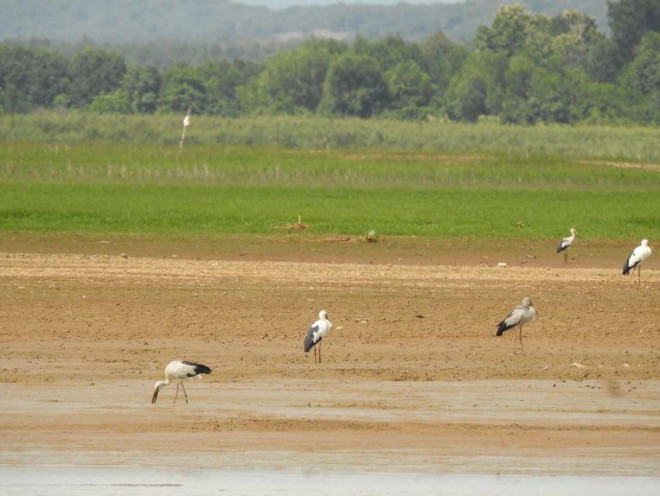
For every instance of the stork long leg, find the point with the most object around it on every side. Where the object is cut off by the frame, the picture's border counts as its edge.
(565, 257)
(639, 273)
(515, 344)
(320, 352)
(177, 391)
(184, 392)
(521, 343)
(314, 354)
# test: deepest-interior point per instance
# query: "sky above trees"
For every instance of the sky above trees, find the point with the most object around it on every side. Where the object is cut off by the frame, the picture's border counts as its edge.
(282, 4)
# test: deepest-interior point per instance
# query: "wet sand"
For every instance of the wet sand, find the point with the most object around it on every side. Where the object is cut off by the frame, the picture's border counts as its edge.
(413, 379)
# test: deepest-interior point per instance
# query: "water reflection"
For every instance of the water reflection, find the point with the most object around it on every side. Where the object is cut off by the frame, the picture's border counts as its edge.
(71, 481)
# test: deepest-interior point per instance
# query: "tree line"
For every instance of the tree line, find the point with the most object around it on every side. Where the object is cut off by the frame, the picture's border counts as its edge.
(524, 68)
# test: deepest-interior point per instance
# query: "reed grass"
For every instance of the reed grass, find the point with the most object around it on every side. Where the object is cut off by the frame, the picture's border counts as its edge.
(631, 143)
(264, 166)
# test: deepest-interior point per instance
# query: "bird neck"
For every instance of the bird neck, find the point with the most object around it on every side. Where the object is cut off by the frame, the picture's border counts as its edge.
(162, 384)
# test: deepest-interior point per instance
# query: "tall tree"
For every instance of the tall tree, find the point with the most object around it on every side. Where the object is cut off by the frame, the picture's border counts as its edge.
(220, 81)
(644, 76)
(389, 52)
(295, 78)
(354, 86)
(442, 59)
(630, 20)
(142, 87)
(508, 32)
(410, 88)
(31, 78)
(645, 67)
(183, 88)
(604, 61)
(93, 73)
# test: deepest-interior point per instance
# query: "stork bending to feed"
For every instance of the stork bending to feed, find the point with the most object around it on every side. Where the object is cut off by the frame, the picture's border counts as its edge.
(634, 261)
(566, 243)
(179, 371)
(316, 332)
(518, 317)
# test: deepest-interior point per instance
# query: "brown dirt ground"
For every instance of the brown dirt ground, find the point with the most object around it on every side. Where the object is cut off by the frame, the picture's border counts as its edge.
(412, 379)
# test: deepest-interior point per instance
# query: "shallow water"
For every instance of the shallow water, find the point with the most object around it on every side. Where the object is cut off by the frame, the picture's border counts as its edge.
(72, 481)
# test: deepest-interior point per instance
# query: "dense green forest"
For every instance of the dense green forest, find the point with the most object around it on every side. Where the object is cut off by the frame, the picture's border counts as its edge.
(521, 68)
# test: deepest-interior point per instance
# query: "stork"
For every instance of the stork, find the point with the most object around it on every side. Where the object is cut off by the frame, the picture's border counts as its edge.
(518, 317)
(566, 243)
(316, 332)
(179, 371)
(638, 255)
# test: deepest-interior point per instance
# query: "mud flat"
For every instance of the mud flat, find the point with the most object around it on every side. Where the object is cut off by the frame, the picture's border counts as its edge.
(413, 379)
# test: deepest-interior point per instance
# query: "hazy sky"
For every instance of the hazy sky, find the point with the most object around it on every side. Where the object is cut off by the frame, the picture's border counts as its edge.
(277, 4)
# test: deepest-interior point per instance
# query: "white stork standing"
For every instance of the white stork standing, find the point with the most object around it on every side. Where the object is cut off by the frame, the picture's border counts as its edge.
(566, 243)
(316, 332)
(518, 317)
(639, 254)
(179, 371)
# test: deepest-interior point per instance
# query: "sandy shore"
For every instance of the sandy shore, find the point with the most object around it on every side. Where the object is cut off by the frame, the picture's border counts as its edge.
(413, 378)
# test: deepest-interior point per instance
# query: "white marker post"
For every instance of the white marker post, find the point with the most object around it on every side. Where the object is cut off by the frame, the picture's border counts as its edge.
(186, 123)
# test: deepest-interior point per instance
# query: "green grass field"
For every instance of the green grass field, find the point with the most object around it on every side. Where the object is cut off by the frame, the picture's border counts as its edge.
(209, 210)
(131, 188)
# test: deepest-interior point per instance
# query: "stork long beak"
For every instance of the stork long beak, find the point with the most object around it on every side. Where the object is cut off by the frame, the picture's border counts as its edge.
(155, 396)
